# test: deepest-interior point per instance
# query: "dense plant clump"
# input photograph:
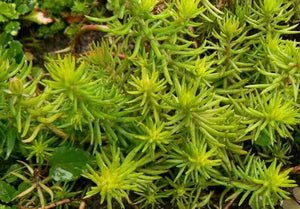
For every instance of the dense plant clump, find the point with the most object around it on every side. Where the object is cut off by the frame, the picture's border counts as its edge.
(186, 103)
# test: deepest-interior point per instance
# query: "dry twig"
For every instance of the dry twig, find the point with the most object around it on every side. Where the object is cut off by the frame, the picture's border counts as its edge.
(56, 204)
(229, 204)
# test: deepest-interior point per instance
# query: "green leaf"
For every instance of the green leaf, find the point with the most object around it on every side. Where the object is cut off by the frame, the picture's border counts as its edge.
(67, 163)
(8, 11)
(7, 192)
(11, 178)
(263, 139)
(10, 143)
(12, 28)
(2, 18)
(4, 207)
(23, 9)
(4, 38)
(15, 49)
(22, 187)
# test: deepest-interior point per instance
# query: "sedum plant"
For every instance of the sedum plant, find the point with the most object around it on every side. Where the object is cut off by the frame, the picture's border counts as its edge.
(263, 184)
(180, 104)
(269, 117)
(148, 89)
(194, 160)
(269, 14)
(116, 178)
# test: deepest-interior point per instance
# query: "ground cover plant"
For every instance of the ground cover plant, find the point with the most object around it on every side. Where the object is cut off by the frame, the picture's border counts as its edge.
(176, 104)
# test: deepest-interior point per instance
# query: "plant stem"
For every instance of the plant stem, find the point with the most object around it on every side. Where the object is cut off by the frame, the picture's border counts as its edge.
(57, 203)
(229, 204)
(296, 169)
(82, 204)
(220, 4)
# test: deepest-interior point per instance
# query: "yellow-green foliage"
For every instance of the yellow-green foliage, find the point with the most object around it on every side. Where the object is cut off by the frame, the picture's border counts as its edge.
(192, 103)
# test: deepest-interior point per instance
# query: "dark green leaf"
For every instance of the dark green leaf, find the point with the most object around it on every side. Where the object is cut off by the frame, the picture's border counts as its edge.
(22, 187)
(263, 140)
(67, 163)
(4, 38)
(15, 48)
(7, 192)
(23, 9)
(10, 143)
(11, 178)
